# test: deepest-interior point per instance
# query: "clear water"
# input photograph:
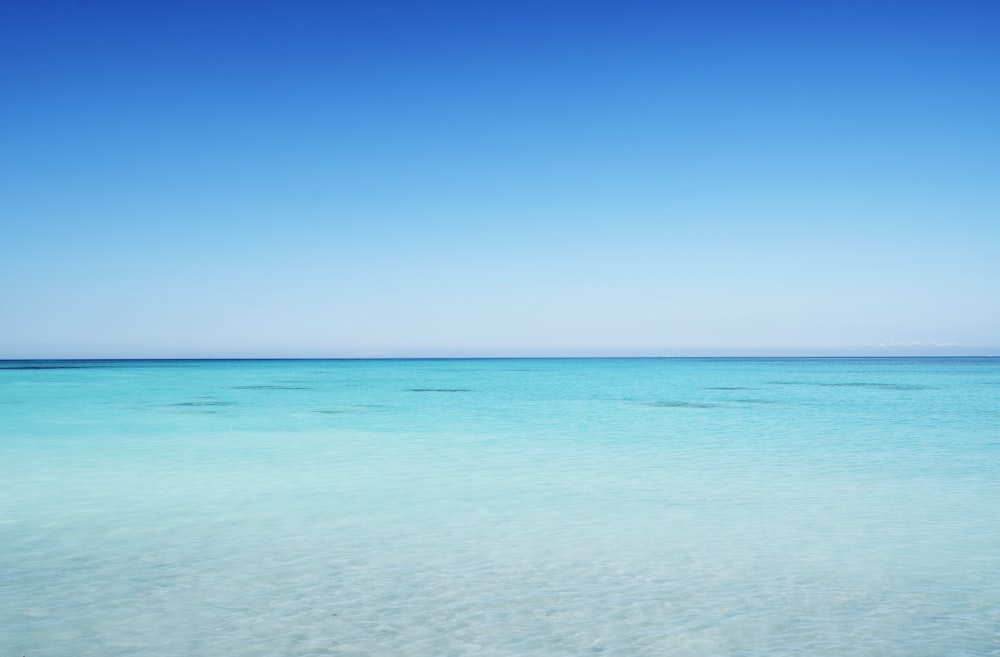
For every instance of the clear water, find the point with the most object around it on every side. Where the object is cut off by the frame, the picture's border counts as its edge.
(500, 507)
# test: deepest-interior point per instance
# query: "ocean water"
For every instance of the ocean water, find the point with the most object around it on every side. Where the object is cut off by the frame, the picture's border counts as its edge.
(689, 507)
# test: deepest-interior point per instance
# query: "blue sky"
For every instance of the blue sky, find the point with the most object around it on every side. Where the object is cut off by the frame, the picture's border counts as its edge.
(499, 178)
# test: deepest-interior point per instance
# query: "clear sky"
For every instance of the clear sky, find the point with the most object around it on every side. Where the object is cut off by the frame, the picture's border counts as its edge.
(364, 178)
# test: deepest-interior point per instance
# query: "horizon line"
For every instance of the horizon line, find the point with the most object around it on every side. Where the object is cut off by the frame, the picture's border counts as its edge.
(438, 358)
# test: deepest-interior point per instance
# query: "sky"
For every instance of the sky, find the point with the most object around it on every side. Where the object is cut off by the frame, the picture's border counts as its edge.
(480, 178)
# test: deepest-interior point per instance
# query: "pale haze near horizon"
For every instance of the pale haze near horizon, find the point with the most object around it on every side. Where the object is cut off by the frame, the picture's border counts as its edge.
(495, 179)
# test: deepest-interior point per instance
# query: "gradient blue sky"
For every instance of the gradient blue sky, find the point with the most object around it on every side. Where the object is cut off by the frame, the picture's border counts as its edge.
(499, 178)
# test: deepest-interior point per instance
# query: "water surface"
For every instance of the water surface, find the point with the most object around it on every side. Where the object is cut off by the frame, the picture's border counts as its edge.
(500, 507)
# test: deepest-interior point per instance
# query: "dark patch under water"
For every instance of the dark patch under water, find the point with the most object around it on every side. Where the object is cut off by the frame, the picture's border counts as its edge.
(50, 367)
(854, 384)
(440, 390)
(354, 408)
(679, 404)
(728, 388)
(270, 387)
(204, 403)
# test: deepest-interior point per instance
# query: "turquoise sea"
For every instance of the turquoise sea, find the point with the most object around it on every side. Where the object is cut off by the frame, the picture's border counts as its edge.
(617, 507)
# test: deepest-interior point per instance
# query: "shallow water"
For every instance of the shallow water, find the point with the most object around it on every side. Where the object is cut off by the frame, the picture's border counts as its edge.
(500, 507)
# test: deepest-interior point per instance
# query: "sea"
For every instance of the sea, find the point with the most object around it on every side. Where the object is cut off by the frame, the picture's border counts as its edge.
(500, 507)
